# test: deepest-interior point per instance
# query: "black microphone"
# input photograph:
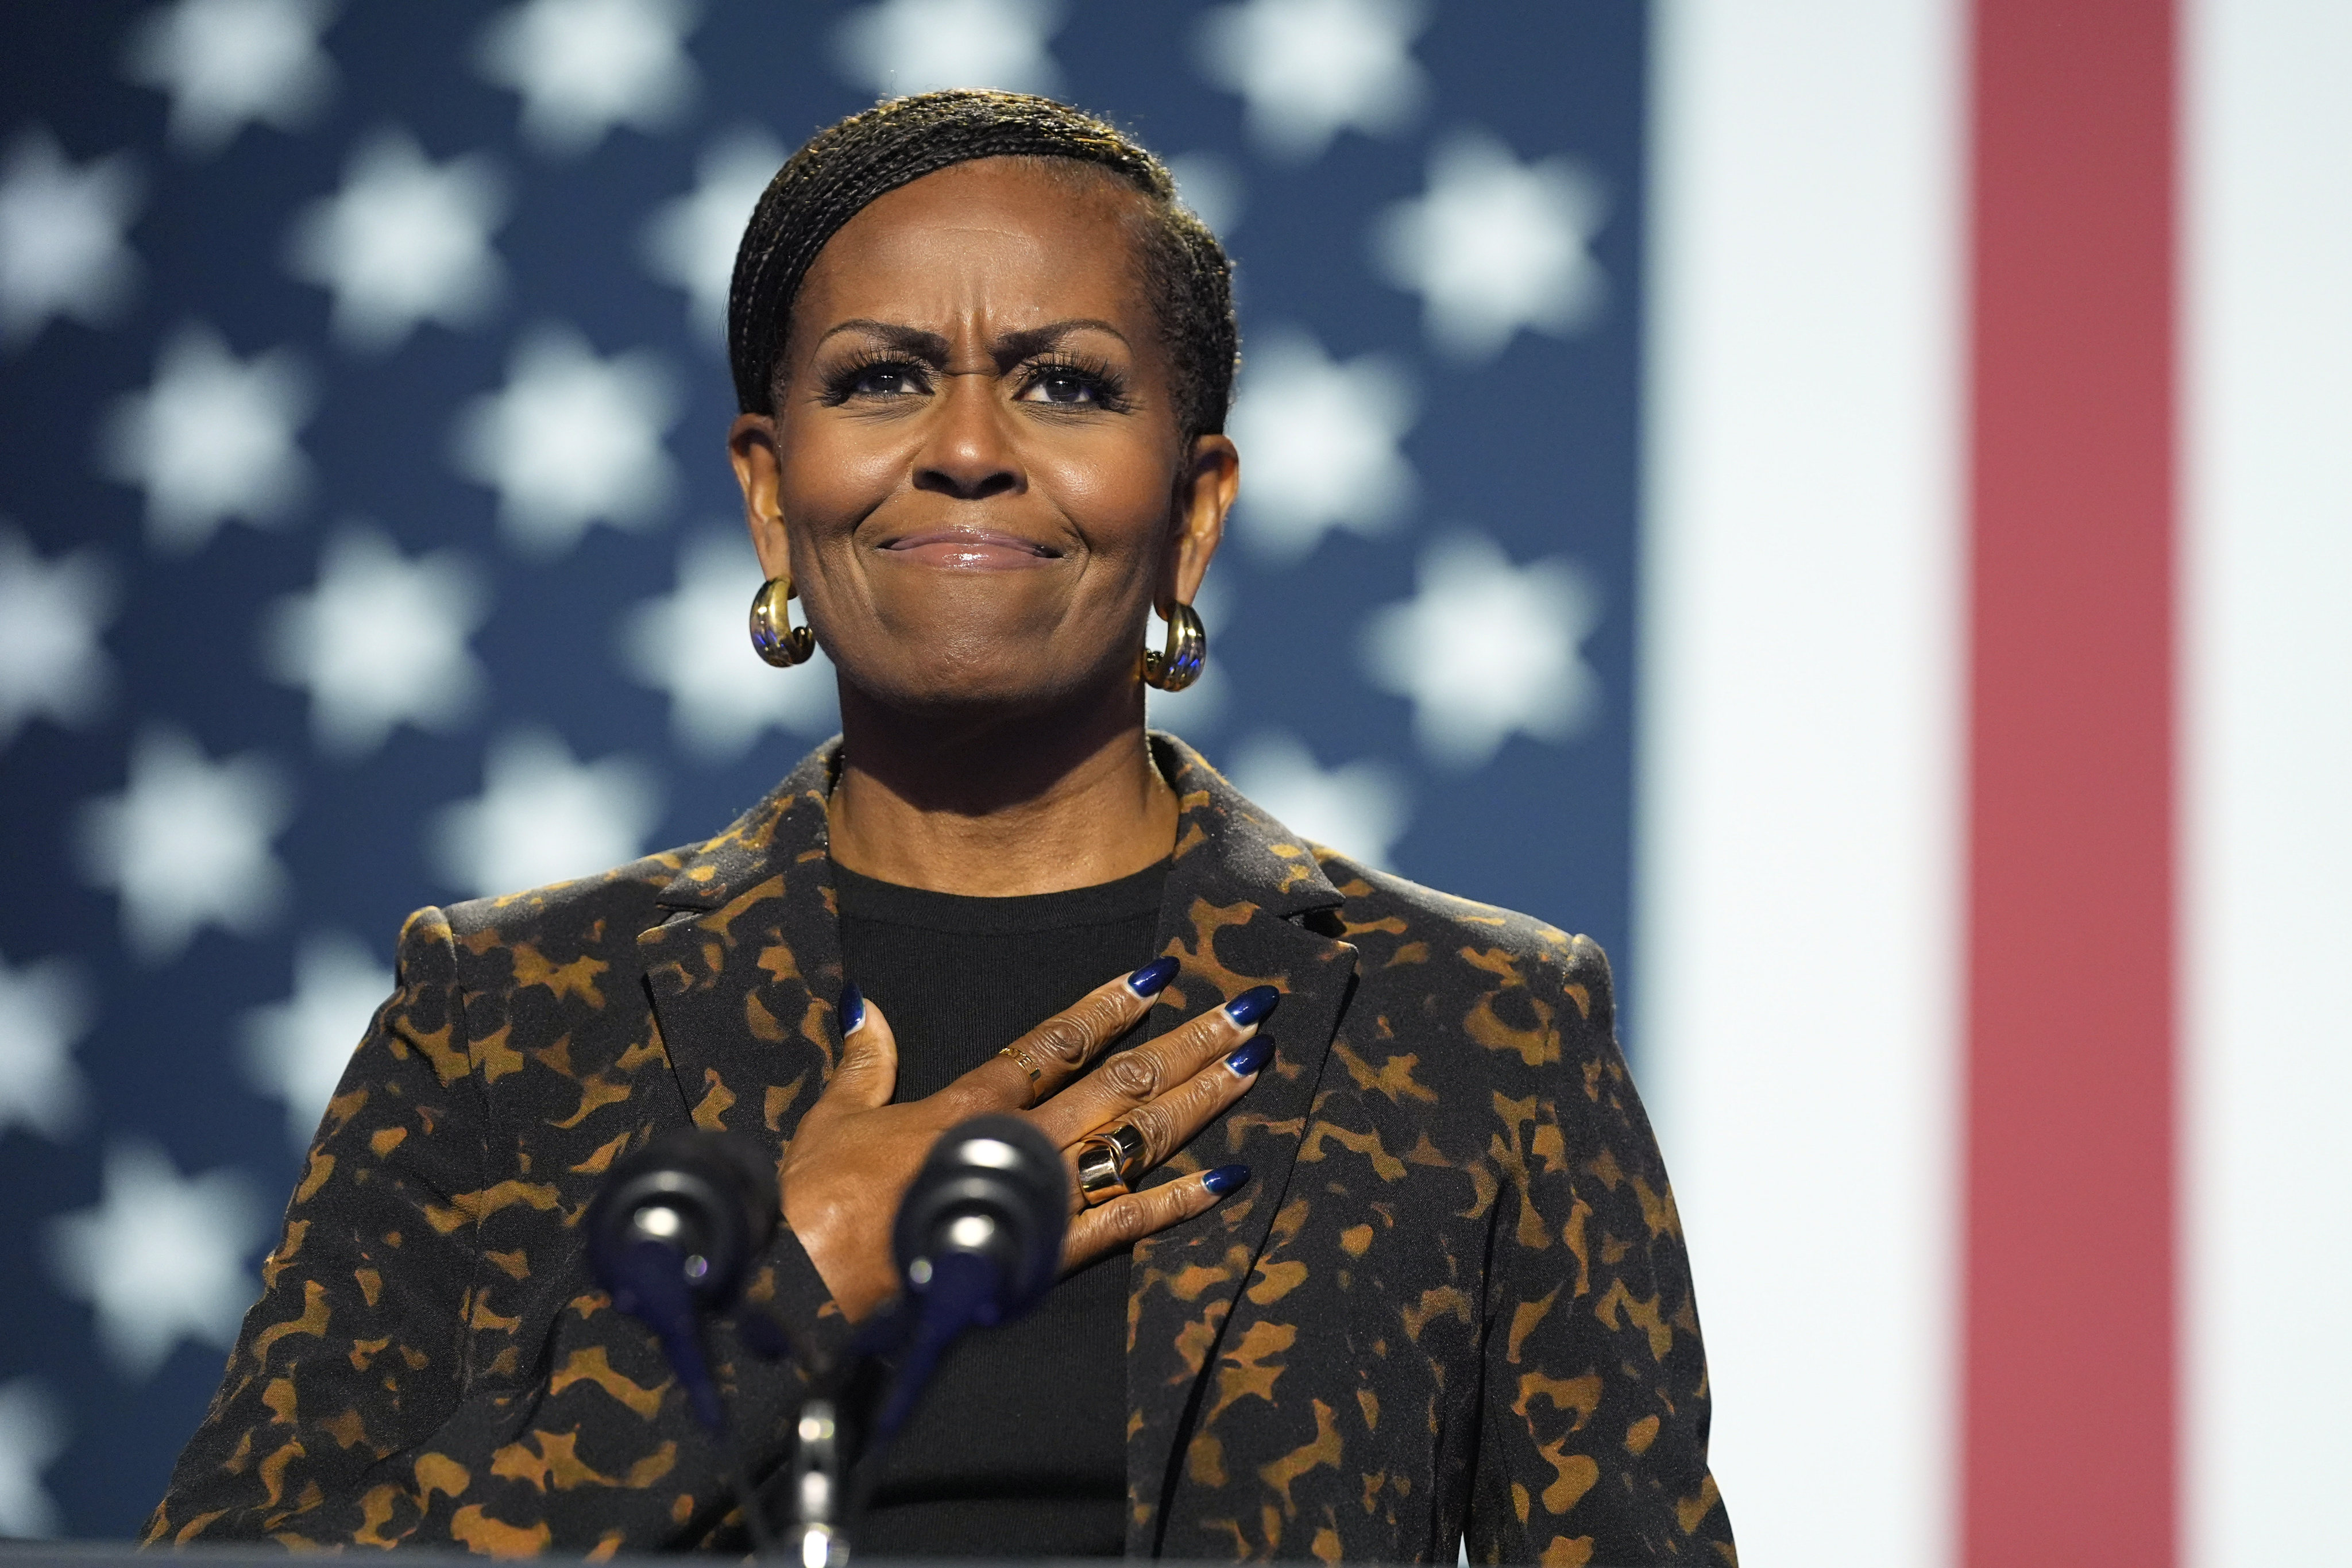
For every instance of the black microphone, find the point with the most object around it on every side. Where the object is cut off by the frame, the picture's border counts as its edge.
(977, 1241)
(671, 1235)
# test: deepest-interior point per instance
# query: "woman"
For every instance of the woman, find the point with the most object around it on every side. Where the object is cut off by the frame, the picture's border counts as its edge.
(1398, 1267)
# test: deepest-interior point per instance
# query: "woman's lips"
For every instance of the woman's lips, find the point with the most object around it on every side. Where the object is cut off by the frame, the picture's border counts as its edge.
(965, 550)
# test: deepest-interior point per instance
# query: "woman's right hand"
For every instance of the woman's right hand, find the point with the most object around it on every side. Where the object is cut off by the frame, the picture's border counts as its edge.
(855, 1152)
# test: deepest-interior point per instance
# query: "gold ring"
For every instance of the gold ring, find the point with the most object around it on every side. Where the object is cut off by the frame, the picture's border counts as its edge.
(1027, 1063)
(1109, 1163)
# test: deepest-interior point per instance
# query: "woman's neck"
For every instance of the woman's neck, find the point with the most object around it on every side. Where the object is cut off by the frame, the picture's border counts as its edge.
(1000, 806)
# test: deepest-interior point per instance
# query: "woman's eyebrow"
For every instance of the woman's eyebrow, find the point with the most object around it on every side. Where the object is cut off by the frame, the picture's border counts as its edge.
(929, 347)
(1014, 347)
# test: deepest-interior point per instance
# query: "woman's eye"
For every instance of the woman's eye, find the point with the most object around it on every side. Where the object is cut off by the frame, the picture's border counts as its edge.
(1066, 388)
(1061, 388)
(885, 381)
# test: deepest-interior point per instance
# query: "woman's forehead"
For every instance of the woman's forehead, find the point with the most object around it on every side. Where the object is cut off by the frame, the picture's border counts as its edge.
(1013, 238)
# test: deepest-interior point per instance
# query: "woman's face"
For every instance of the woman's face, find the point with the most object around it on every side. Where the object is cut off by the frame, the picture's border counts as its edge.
(975, 473)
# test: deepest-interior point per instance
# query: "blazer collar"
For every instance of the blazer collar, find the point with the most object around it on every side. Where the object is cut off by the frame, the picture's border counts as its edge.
(745, 972)
(1225, 846)
(782, 830)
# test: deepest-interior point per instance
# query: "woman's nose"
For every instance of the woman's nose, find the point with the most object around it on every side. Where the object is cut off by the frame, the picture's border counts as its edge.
(970, 454)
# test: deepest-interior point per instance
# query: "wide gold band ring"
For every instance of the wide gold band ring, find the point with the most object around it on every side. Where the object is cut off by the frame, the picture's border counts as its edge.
(1108, 1164)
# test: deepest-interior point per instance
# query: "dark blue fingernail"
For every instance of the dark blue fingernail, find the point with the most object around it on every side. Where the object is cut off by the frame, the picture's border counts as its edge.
(1152, 978)
(853, 1008)
(1250, 1057)
(1253, 1005)
(1225, 1178)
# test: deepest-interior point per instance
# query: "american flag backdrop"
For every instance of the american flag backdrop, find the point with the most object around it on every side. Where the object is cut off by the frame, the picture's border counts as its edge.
(370, 540)
(1848, 502)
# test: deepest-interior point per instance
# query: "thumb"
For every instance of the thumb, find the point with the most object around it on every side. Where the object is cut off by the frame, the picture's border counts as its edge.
(867, 1072)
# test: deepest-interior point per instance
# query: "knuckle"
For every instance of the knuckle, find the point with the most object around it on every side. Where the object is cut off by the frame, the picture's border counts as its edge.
(1208, 1036)
(1208, 1091)
(1133, 1074)
(1129, 1220)
(1158, 1128)
(1101, 1018)
(1063, 1040)
(960, 1099)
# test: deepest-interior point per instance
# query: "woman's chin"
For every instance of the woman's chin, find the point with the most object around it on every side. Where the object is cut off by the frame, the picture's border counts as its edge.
(1014, 684)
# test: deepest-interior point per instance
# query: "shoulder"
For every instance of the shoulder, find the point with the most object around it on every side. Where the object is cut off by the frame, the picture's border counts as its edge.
(513, 939)
(1419, 939)
(1407, 937)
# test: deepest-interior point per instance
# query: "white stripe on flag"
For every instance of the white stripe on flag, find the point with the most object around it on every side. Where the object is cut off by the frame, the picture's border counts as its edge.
(1798, 936)
(2267, 907)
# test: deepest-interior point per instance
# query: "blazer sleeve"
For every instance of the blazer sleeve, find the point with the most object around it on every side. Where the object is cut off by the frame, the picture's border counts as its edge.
(1593, 1426)
(355, 1349)
(353, 1409)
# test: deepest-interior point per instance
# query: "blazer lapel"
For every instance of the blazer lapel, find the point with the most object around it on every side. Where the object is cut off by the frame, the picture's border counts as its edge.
(745, 971)
(1242, 897)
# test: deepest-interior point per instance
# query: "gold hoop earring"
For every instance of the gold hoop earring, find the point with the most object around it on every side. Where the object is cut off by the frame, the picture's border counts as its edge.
(1187, 651)
(773, 636)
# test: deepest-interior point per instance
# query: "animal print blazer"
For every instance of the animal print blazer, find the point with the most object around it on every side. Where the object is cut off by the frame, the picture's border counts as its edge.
(1455, 1298)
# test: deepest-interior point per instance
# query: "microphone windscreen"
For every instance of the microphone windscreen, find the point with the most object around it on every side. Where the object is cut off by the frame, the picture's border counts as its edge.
(998, 1169)
(710, 1198)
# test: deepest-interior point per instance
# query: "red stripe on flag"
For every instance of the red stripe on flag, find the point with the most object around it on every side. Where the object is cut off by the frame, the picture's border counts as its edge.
(2068, 1446)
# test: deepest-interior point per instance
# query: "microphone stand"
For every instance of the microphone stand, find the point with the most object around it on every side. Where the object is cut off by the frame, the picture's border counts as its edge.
(817, 1488)
(822, 1439)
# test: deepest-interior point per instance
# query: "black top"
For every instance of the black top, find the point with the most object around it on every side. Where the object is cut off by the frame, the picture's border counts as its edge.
(1019, 1449)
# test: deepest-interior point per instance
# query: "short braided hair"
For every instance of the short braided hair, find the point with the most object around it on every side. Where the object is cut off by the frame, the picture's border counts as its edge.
(847, 164)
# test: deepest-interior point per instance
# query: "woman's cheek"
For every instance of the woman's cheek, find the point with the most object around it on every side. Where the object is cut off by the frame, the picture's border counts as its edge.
(1117, 499)
(835, 471)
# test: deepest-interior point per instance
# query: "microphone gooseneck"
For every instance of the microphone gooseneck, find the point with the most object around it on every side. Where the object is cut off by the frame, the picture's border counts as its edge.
(978, 1242)
(671, 1235)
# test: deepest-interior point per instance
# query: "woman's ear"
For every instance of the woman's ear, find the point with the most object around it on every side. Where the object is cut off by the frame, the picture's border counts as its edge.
(1203, 496)
(752, 447)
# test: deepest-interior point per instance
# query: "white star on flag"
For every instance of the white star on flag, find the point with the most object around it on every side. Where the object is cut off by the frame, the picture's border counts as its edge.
(542, 817)
(44, 1009)
(380, 641)
(211, 439)
(1486, 648)
(1495, 246)
(226, 63)
(162, 1259)
(51, 613)
(1307, 69)
(296, 1050)
(903, 46)
(186, 845)
(1318, 444)
(694, 643)
(1359, 808)
(585, 66)
(691, 242)
(1209, 184)
(405, 241)
(32, 1436)
(61, 250)
(571, 440)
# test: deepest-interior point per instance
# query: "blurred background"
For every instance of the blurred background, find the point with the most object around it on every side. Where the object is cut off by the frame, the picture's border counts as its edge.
(1762, 486)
